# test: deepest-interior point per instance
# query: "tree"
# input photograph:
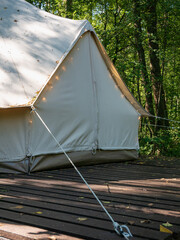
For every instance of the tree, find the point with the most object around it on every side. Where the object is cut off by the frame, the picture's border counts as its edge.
(141, 57)
(156, 77)
(69, 8)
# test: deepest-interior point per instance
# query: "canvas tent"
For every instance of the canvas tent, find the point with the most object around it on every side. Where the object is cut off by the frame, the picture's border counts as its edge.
(60, 67)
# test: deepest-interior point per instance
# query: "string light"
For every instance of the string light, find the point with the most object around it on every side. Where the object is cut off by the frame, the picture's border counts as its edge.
(71, 59)
(30, 121)
(57, 77)
(64, 68)
(44, 99)
(50, 85)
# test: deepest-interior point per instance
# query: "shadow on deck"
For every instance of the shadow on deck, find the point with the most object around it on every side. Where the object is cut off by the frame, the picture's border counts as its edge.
(57, 205)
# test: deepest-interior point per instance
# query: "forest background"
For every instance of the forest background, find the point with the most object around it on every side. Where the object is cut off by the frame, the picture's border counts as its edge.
(142, 39)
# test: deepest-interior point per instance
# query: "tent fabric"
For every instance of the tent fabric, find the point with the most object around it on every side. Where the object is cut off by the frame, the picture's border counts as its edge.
(55, 161)
(86, 107)
(120, 83)
(82, 158)
(33, 44)
(13, 134)
(60, 67)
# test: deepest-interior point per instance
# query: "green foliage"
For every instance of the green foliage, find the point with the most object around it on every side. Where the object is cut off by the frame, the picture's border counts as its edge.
(165, 142)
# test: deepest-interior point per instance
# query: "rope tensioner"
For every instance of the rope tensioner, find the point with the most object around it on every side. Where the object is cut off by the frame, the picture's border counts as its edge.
(119, 229)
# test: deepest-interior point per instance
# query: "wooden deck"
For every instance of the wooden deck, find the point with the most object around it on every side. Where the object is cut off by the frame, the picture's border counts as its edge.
(57, 205)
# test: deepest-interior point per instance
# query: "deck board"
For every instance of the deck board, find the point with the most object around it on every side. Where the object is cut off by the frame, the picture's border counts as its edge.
(59, 203)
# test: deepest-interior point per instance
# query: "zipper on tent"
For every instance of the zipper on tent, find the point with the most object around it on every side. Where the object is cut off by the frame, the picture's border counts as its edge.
(95, 99)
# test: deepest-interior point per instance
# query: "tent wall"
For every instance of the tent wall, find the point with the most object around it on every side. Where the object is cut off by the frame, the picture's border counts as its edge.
(84, 109)
(67, 107)
(117, 118)
(14, 126)
(82, 158)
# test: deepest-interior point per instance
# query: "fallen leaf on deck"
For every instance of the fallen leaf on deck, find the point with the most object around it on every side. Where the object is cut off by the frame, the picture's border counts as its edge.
(163, 229)
(131, 222)
(167, 224)
(145, 221)
(17, 207)
(38, 212)
(81, 219)
(81, 197)
(106, 202)
(150, 204)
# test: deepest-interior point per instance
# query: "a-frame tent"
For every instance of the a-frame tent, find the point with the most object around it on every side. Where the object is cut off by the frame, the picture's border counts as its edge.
(59, 66)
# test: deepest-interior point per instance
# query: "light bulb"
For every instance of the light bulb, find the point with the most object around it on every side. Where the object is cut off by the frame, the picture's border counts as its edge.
(64, 68)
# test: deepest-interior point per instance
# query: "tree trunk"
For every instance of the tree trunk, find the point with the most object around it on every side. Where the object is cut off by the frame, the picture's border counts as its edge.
(142, 61)
(156, 77)
(105, 24)
(116, 33)
(69, 9)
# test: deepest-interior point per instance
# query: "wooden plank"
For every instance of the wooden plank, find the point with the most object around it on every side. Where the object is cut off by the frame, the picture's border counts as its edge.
(78, 211)
(64, 218)
(118, 188)
(154, 202)
(131, 194)
(85, 208)
(66, 227)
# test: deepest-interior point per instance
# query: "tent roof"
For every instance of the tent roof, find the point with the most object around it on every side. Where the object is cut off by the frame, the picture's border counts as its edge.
(33, 44)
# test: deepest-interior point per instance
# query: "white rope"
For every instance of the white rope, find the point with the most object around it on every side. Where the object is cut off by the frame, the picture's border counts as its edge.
(118, 228)
(165, 119)
(160, 126)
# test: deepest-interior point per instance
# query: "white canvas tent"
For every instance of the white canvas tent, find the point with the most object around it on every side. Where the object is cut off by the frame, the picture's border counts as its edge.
(60, 67)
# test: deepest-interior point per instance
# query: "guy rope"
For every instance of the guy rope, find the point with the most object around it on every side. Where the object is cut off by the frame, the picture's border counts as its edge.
(121, 230)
